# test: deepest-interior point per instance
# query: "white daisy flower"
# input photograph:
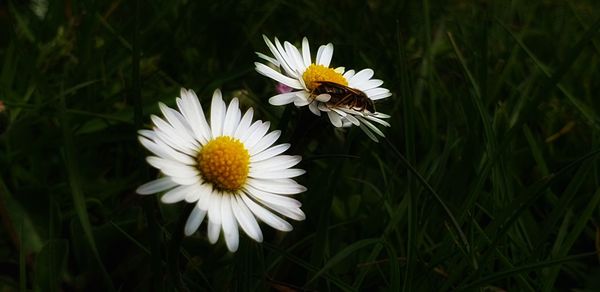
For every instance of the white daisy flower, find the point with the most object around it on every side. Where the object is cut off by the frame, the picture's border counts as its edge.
(226, 166)
(346, 96)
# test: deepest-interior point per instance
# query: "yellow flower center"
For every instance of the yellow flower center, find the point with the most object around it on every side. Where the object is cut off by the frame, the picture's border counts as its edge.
(224, 162)
(315, 73)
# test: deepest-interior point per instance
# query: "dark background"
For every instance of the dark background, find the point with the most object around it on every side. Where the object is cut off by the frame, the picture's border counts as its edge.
(488, 179)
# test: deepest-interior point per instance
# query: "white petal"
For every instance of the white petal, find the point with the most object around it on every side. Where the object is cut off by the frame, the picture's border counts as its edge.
(217, 114)
(276, 186)
(258, 134)
(244, 123)
(292, 213)
(288, 65)
(194, 221)
(276, 163)
(178, 123)
(353, 111)
(295, 57)
(177, 194)
(326, 54)
(352, 119)
(288, 49)
(270, 152)
(192, 111)
(246, 134)
(278, 55)
(323, 107)
(174, 142)
(164, 151)
(377, 120)
(285, 173)
(266, 216)
(324, 97)
(283, 98)
(206, 193)
(268, 59)
(245, 219)
(376, 91)
(265, 142)
(214, 229)
(306, 52)
(175, 138)
(181, 157)
(361, 76)
(230, 229)
(148, 134)
(339, 111)
(214, 218)
(349, 74)
(156, 186)
(380, 96)
(269, 199)
(304, 95)
(194, 194)
(171, 167)
(301, 102)
(214, 208)
(232, 118)
(368, 132)
(381, 115)
(269, 72)
(301, 80)
(314, 108)
(334, 118)
(185, 180)
(370, 84)
(370, 125)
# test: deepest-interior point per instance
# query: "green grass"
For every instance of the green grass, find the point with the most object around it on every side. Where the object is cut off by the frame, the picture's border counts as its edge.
(488, 179)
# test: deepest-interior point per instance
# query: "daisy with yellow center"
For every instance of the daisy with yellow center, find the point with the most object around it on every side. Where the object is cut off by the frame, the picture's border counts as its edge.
(229, 168)
(297, 70)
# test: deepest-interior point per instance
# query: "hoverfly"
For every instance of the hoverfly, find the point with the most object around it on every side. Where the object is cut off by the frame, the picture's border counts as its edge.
(342, 95)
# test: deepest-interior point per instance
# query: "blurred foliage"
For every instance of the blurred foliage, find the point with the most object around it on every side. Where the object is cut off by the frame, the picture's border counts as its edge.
(488, 179)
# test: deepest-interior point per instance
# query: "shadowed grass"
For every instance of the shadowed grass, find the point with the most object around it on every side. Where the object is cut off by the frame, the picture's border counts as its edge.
(488, 177)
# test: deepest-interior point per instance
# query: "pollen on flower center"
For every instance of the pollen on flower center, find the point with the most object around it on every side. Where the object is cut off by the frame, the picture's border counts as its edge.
(315, 73)
(224, 162)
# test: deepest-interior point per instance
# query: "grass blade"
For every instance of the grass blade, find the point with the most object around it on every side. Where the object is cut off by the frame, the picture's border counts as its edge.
(522, 269)
(463, 238)
(338, 282)
(554, 78)
(77, 194)
(342, 254)
(582, 220)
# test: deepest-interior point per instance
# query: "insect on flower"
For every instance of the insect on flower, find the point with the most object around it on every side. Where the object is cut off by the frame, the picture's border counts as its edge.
(341, 95)
(346, 96)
